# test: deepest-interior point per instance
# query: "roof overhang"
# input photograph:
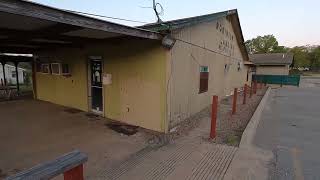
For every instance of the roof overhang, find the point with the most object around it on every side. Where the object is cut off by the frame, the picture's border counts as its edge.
(14, 58)
(27, 27)
(271, 64)
(233, 14)
(248, 63)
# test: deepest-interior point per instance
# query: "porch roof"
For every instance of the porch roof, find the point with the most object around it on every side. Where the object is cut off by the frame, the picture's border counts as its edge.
(27, 27)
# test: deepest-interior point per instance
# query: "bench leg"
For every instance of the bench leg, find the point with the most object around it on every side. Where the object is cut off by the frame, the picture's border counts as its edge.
(74, 174)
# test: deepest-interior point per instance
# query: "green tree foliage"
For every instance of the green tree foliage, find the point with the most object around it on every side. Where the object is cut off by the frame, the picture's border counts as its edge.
(301, 56)
(264, 44)
(314, 56)
(304, 56)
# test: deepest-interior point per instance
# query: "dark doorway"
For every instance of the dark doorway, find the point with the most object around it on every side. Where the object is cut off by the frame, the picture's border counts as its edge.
(96, 86)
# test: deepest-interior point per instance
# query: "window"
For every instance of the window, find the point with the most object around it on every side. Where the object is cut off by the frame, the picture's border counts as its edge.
(204, 79)
(13, 74)
(45, 68)
(55, 68)
(65, 69)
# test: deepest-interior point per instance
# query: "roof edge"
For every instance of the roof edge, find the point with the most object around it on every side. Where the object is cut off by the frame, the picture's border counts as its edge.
(53, 14)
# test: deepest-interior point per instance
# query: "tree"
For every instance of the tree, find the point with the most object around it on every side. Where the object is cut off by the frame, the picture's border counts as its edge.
(314, 57)
(302, 57)
(264, 44)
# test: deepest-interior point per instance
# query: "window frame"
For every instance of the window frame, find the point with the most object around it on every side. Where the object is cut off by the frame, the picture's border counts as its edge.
(48, 68)
(13, 74)
(204, 79)
(59, 68)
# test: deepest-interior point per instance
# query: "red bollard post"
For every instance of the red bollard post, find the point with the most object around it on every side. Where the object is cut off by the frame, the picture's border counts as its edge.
(214, 113)
(251, 90)
(245, 91)
(234, 105)
(255, 87)
(74, 174)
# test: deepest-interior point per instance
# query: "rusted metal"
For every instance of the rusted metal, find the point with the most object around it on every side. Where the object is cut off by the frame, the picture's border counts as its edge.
(214, 112)
(235, 97)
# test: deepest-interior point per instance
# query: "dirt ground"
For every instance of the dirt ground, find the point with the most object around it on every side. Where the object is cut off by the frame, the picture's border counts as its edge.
(32, 132)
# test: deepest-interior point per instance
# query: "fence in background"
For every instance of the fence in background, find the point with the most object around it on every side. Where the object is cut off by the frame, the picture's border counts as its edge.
(278, 79)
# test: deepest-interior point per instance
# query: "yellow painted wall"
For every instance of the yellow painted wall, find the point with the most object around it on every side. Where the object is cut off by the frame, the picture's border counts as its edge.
(184, 68)
(66, 91)
(273, 70)
(137, 94)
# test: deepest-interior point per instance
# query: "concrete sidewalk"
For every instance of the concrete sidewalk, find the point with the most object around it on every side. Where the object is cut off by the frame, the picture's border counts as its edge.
(188, 158)
(183, 160)
(192, 156)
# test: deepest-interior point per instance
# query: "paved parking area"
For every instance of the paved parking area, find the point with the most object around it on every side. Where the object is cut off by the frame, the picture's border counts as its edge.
(290, 128)
(32, 132)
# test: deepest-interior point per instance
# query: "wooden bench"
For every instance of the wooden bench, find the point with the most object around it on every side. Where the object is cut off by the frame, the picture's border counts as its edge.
(70, 165)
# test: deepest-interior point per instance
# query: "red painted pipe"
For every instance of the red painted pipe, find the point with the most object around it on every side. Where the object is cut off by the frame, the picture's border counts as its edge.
(74, 174)
(255, 87)
(214, 113)
(245, 91)
(235, 96)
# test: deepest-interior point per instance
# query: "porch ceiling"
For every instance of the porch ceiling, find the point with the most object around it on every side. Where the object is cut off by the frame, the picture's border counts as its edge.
(28, 27)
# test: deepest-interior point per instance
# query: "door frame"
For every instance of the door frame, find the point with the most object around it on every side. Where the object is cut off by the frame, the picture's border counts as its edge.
(89, 60)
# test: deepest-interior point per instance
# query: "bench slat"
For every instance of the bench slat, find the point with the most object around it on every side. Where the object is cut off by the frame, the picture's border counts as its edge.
(53, 168)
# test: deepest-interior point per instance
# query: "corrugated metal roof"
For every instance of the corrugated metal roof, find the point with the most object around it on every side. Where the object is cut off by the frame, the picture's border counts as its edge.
(272, 59)
(180, 23)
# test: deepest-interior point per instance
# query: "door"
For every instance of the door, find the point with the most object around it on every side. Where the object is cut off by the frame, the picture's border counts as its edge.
(96, 86)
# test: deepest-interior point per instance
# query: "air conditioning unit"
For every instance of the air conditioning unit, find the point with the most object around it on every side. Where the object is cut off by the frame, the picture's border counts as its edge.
(60, 69)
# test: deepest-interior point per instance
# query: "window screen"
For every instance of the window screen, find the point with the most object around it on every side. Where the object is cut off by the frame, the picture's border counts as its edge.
(204, 79)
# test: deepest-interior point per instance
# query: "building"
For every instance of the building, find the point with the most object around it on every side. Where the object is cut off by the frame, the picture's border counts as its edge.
(208, 58)
(154, 76)
(10, 74)
(273, 63)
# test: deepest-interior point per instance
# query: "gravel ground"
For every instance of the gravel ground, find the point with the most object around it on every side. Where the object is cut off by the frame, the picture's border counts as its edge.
(229, 127)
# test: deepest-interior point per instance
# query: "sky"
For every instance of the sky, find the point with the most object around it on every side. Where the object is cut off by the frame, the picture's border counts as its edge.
(292, 22)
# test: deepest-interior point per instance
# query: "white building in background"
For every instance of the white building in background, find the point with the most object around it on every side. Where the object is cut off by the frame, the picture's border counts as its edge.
(10, 72)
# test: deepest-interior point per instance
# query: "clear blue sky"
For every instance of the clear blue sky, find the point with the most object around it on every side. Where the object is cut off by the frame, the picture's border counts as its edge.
(293, 22)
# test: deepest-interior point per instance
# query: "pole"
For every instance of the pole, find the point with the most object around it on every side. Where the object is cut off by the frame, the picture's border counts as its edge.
(214, 113)
(74, 174)
(4, 72)
(245, 90)
(255, 87)
(235, 96)
(17, 77)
